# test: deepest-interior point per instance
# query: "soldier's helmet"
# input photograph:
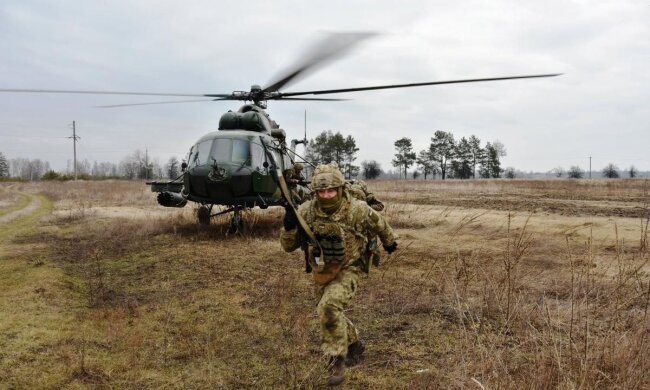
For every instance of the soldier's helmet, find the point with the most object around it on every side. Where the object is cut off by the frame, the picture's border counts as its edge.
(298, 167)
(327, 176)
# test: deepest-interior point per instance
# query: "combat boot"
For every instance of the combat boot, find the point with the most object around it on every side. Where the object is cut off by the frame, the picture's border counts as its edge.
(355, 352)
(336, 369)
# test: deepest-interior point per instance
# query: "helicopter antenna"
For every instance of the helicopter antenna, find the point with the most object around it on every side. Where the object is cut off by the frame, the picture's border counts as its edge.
(304, 140)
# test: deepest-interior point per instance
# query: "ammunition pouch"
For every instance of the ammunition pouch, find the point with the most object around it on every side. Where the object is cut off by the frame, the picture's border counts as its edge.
(331, 241)
(329, 253)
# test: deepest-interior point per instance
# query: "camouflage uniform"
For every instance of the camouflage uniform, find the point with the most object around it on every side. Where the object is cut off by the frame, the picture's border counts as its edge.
(355, 220)
(295, 181)
(359, 190)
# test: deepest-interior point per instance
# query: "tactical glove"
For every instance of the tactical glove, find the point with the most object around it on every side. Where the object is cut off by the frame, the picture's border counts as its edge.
(390, 248)
(374, 203)
(290, 220)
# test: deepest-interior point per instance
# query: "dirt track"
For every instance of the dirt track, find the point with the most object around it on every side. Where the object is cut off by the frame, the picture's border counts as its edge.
(33, 205)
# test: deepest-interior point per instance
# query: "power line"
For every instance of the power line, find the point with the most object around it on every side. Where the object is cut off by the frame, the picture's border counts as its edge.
(30, 136)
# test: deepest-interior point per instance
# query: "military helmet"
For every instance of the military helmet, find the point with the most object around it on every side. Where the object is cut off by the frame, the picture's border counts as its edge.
(327, 176)
(298, 167)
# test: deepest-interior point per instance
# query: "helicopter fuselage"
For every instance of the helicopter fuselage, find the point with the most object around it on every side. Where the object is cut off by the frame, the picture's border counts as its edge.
(235, 166)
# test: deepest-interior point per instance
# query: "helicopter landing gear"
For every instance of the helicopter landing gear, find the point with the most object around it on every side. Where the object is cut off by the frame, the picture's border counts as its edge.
(204, 213)
(236, 222)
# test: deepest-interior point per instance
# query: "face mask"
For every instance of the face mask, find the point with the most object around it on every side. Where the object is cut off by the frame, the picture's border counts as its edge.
(329, 206)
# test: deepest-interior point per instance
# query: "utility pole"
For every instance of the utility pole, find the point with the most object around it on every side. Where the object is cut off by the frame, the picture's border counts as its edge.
(590, 167)
(146, 164)
(74, 143)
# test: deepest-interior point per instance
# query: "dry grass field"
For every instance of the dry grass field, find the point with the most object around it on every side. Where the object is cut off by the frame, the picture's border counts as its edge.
(496, 284)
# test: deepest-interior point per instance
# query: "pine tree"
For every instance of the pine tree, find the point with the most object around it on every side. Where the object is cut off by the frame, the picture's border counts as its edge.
(477, 152)
(349, 155)
(405, 156)
(330, 147)
(463, 159)
(427, 164)
(491, 160)
(442, 150)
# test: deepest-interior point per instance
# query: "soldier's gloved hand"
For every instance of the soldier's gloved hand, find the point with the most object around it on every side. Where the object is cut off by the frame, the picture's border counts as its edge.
(390, 248)
(374, 203)
(290, 220)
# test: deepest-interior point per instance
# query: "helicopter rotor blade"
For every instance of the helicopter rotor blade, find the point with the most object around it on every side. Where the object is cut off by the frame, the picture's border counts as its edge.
(332, 46)
(154, 103)
(65, 91)
(282, 95)
(318, 99)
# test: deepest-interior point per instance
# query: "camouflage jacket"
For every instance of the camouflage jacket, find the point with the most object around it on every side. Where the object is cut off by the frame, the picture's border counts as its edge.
(356, 219)
(359, 190)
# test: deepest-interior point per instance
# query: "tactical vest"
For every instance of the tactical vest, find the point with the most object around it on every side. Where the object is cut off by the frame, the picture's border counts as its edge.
(331, 236)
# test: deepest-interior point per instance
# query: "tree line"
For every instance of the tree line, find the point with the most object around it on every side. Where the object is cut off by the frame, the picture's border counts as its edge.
(610, 171)
(136, 165)
(462, 159)
(330, 147)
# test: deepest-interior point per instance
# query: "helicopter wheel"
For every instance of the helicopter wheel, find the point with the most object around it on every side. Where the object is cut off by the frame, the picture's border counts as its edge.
(203, 214)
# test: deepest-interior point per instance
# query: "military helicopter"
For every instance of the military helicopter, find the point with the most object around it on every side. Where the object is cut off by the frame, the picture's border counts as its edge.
(244, 163)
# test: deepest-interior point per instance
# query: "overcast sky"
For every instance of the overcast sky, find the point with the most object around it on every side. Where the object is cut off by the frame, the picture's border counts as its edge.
(599, 107)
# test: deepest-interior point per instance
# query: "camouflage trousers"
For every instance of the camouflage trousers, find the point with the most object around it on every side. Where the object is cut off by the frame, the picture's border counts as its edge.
(337, 331)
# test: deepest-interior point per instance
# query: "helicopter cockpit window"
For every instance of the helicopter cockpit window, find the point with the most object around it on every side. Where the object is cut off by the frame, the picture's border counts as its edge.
(258, 156)
(190, 156)
(200, 153)
(241, 151)
(221, 149)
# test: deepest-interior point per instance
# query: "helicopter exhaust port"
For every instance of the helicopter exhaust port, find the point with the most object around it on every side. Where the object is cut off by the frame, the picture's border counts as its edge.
(171, 199)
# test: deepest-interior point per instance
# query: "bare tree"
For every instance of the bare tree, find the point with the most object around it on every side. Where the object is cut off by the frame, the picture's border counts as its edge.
(575, 172)
(557, 171)
(370, 169)
(173, 168)
(509, 173)
(4, 166)
(611, 171)
(28, 169)
(633, 172)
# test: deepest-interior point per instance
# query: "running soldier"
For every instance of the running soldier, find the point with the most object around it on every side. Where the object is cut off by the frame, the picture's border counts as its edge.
(341, 225)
